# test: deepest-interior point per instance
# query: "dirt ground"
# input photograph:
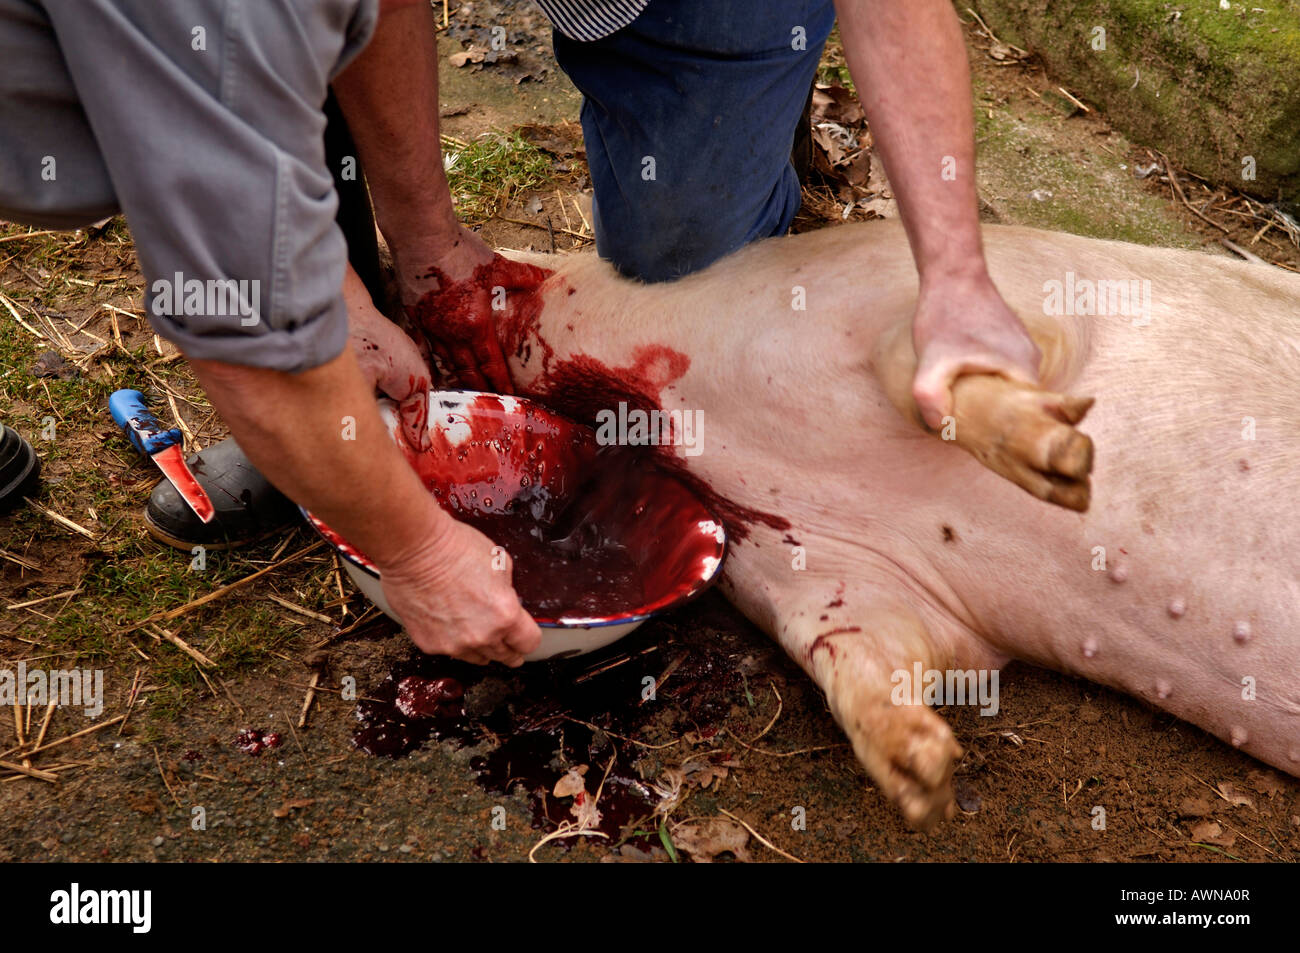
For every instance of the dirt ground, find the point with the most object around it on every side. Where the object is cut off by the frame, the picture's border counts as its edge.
(736, 749)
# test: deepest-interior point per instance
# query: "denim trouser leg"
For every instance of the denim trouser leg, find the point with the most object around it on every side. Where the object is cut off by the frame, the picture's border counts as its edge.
(689, 114)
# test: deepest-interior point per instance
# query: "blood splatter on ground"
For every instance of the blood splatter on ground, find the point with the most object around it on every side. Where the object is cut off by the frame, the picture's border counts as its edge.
(536, 723)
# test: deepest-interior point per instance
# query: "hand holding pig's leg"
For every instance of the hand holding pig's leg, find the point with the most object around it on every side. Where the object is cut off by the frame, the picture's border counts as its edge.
(461, 308)
(853, 652)
(1020, 432)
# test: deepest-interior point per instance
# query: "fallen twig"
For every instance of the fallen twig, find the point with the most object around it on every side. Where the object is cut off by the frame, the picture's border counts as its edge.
(60, 519)
(782, 754)
(1238, 250)
(29, 771)
(547, 227)
(1178, 190)
(310, 697)
(779, 706)
(759, 837)
(76, 734)
(158, 631)
(36, 602)
(301, 610)
(216, 594)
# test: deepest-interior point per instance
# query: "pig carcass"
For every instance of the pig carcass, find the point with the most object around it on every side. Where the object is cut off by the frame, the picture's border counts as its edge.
(872, 549)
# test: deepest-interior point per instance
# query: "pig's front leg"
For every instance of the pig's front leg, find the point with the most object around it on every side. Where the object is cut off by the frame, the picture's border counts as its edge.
(853, 649)
(1025, 434)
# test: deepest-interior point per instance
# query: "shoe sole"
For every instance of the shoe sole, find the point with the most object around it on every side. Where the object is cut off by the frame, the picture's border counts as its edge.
(162, 536)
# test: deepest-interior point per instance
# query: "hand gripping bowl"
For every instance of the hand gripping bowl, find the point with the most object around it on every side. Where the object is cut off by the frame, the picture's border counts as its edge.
(599, 540)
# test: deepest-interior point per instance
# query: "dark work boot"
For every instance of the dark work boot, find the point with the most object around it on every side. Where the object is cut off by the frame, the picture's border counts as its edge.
(248, 508)
(20, 469)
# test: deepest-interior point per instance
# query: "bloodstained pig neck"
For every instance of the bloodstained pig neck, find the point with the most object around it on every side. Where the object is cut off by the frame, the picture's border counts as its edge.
(581, 386)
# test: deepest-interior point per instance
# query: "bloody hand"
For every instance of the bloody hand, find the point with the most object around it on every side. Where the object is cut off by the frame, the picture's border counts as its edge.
(459, 319)
(389, 360)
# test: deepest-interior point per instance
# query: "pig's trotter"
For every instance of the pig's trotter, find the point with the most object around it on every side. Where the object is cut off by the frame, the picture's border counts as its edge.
(908, 750)
(1022, 433)
(1026, 435)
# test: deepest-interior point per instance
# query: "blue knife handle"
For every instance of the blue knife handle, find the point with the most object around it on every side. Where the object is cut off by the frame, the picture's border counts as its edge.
(142, 428)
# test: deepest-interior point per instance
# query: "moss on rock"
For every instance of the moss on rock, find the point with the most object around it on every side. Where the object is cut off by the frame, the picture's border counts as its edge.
(1214, 88)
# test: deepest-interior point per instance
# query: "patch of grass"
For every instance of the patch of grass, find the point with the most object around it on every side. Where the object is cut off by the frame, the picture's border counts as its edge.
(134, 579)
(487, 173)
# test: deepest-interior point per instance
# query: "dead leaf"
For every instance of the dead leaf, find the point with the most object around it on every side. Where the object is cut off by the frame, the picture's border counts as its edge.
(1195, 807)
(1208, 832)
(706, 839)
(1003, 53)
(472, 55)
(572, 783)
(53, 364)
(1266, 783)
(837, 104)
(1234, 796)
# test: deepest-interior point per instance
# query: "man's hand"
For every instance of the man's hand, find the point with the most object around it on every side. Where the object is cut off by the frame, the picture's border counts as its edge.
(452, 300)
(962, 326)
(390, 361)
(453, 601)
(389, 96)
(438, 573)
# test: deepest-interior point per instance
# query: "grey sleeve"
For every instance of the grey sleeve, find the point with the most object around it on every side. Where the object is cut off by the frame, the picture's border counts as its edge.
(208, 116)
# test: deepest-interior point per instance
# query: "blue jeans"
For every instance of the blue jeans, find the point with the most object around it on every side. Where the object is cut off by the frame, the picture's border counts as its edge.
(689, 114)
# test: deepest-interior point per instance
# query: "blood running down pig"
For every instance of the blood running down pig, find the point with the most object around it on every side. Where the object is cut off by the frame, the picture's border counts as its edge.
(876, 551)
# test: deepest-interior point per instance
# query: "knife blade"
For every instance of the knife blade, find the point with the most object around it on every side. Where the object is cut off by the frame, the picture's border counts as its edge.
(162, 445)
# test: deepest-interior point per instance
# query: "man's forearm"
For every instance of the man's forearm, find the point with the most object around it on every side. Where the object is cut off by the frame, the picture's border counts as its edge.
(295, 429)
(389, 96)
(908, 60)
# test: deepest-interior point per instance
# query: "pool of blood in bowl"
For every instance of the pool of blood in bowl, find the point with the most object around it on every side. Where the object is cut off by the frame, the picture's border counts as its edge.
(562, 506)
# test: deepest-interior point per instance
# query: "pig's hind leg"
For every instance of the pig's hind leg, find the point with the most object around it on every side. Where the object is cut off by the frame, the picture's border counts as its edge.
(1025, 434)
(852, 647)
